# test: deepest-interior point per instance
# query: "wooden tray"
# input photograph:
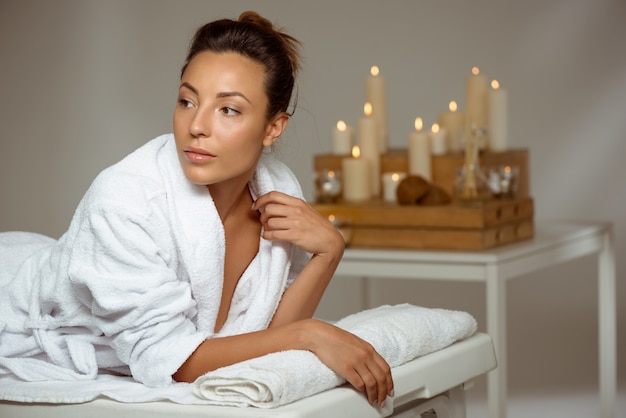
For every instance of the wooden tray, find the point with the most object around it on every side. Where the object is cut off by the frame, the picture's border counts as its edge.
(458, 227)
(444, 167)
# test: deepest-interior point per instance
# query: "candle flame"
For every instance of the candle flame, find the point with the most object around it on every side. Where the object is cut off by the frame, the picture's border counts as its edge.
(395, 176)
(367, 109)
(507, 169)
(495, 85)
(341, 125)
(419, 124)
(331, 173)
(452, 106)
(356, 151)
(374, 70)
(331, 218)
(435, 128)
(475, 70)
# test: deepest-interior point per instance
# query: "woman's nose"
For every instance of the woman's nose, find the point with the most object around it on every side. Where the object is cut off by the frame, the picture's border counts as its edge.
(200, 124)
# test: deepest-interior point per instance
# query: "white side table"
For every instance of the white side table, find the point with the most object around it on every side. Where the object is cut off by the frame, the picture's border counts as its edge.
(553, 243)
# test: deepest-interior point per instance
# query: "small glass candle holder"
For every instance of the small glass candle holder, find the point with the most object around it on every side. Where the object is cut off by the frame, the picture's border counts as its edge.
(503, 181)
(471, 185)
(327, 186)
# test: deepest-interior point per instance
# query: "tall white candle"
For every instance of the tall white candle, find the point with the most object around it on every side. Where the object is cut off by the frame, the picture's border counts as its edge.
(419, 151)
(342, 139)
(376, 94)
(453, 122)
(498, 127)
(390, 186)
(368, 144)
(356, 177)
(476, 107)
(437, 140)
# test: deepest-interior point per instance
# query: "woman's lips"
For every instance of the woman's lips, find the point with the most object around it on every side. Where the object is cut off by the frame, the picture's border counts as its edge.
(197, 155)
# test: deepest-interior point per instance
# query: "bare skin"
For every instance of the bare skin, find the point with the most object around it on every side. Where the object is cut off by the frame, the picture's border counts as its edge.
(221, 128)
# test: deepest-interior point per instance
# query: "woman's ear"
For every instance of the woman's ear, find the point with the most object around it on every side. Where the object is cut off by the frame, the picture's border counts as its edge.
(275, 128)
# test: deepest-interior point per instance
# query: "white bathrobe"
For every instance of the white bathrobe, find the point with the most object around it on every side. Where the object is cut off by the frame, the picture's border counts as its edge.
(135, 284)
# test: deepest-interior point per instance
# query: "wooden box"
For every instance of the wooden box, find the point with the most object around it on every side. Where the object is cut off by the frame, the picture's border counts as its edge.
(479, 226)
(444, 167)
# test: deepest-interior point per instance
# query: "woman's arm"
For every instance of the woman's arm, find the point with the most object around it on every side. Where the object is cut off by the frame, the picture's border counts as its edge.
(293, 220)
(349, 356)
(290, 219)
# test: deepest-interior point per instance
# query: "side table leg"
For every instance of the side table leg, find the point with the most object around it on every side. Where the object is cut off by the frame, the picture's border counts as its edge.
(496, 328)
(607, 325)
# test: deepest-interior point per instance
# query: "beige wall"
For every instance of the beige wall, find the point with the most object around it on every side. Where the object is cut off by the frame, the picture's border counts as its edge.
(82, 83)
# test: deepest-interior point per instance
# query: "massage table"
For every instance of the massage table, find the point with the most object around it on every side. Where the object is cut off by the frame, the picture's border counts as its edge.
(433, 384)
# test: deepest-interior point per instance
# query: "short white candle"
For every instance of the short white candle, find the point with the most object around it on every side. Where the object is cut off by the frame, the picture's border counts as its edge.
(453, 121)
(497, 131)
(419, 151)
(437, 140)
(368, 144)
(390, 186)
(342, 139)
(376, 94)
(356, 177)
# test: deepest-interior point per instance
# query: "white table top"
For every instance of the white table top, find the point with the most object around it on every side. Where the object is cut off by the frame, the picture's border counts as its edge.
(556, 241)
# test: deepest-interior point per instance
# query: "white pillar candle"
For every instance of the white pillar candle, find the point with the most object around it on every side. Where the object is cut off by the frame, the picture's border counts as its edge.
(390, 186)
(453, 122)
(369, 147)
(342, 139)
(419, 152)
(437, 140)
(376, 94)
(497, 131)
(476, 106)
(356, 177)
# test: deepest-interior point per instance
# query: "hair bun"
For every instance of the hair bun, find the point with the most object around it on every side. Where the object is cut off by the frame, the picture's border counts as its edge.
(256, 19)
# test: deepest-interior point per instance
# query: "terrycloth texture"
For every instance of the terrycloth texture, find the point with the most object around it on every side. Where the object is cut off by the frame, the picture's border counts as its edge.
(399, 333)
(134, 286)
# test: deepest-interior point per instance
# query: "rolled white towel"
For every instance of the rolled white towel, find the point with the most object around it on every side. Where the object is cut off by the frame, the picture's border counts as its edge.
(399, 333)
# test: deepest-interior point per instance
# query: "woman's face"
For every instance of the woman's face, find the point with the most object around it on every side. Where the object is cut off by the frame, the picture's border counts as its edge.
(220, 121)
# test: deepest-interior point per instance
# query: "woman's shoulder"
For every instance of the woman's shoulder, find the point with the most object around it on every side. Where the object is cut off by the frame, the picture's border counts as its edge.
(273, 174)
(138, 176)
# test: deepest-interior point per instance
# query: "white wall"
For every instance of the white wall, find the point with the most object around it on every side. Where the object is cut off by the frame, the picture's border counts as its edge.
(82, 83)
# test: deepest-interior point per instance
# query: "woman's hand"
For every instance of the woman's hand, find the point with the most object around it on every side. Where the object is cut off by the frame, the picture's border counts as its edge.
(352, 358)
(291, 219)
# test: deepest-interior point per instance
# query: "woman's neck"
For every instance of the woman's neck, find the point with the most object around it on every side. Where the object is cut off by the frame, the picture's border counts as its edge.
(229, 200)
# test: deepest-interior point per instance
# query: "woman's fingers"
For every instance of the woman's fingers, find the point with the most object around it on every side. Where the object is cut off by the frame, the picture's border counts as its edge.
(357, 361)
(291, 219)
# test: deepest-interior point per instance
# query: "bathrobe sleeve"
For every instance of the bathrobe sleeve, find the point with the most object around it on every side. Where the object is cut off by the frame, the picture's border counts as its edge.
(124, 269)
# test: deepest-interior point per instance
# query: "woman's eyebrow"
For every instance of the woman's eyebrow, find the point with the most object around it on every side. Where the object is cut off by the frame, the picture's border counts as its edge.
(233, 93)
(218, 95)
(189, 86)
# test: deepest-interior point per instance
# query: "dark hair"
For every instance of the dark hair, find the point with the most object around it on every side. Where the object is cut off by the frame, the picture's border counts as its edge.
(254, 37)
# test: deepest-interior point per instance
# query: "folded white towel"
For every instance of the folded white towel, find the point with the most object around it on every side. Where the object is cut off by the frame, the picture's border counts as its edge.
(399, 333)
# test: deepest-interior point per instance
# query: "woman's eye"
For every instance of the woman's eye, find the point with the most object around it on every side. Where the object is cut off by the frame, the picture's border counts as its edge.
(185, 103)
(229, 111)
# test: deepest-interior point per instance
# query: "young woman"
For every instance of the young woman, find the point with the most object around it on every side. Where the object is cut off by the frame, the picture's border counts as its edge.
(194, 252)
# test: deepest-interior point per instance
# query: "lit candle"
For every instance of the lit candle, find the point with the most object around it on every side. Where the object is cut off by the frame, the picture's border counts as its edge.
(453, 122)
(497, 132)
(419, 151)
(390, 186)
(437, 140)
(376, 94)
(342, 139)
(476, 107)
(356, 177)
(368, 144)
